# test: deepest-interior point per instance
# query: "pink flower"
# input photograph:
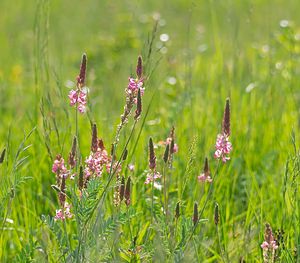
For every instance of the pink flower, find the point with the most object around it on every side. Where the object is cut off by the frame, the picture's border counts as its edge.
(204, 178)
(133, 87)
(223, 147)
(59, 167)
(78, 98)
(175, 147)
(152, 176)
(63, 214)
(131, 167)
(96, 162)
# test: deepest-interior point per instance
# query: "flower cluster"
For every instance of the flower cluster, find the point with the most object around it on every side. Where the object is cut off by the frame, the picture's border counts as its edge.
(62, 214)
(133, 87)
(96, 162)
(60, 169)
(269, 245)
(152, 176)
(223, 147)
(78, 98)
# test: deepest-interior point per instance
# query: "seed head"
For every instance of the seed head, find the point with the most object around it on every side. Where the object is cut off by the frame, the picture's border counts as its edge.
(139, 67)
(152, 158)
(195, 215)
(226, 118)
(127, 192)
(138, 110)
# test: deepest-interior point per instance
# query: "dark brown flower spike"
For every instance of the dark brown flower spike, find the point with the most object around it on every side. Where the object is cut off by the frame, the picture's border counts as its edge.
(195, 215)
(166, 154)
(62, 193)
(216, 214)
(80, 180)
(152, 158)
(138, 110)
(226, 118)
(82, 74)
(127, 192)
(2, 156)
(177, 210)
(125, 155)
(139, 68)
(206, 168)
(94, 144)
(122, 188)
(72, 155)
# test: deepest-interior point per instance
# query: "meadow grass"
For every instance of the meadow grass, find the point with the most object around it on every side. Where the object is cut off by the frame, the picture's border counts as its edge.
(244, 50)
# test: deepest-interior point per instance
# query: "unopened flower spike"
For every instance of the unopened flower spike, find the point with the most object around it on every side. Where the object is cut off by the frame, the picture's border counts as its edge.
(72, 155)
(216, 214)
(138, 110)
(195, 214)
(94, 144)
(139, 68)
(127, 192)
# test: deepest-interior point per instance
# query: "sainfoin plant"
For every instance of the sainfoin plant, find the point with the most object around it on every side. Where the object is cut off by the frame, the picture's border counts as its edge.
(97, 217)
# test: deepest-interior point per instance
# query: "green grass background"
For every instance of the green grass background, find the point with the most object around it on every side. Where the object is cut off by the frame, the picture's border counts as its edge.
(215, 50)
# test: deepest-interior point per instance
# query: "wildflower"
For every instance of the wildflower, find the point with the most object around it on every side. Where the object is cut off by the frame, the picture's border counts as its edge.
(269, 245)
(223, 145)
(131, 167)
(78, 97)
(152, 176)
(96, 162)
(59, 169)
(205, 176)
(171, 141)
(134, 91)
(62, 214)
(122, 188)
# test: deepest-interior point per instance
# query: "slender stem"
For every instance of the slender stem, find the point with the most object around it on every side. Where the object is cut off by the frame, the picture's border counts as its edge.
(152, 198)
(204, 206)
(165, 193)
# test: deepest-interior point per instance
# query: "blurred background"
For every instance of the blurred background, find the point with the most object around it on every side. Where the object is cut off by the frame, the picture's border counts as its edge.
(196, 53)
